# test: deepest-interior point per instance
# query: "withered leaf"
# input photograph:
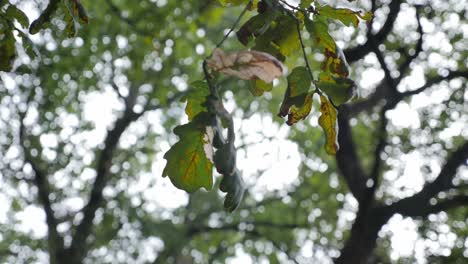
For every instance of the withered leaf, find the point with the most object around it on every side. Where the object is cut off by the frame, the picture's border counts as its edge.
(247, 65)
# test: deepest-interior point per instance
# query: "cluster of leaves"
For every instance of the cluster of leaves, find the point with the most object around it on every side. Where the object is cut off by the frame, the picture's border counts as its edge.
(74, 14)
(190, 161)
(273, 34)
(8, 15)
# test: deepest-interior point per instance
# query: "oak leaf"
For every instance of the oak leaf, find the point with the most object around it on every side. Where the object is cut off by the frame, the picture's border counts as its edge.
(247, 65)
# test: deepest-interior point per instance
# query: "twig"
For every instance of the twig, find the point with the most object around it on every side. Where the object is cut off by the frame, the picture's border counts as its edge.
(304, 54)
(249, 4)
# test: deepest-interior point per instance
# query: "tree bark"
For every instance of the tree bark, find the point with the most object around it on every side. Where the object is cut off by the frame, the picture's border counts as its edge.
(360, 244)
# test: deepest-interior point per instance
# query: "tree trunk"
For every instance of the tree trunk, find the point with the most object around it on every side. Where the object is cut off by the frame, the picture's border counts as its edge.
(363, 238)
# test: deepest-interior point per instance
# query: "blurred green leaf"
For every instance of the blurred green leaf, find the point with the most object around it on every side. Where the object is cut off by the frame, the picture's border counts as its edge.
(258, 87)
(13, 12)
(255, 26)
(45, 17)
(7, 49)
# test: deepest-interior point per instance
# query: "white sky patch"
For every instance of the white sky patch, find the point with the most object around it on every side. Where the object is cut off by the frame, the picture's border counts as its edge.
(32, 220)
(404, 235)
(240, 258)
(404, 116)
(412, 179)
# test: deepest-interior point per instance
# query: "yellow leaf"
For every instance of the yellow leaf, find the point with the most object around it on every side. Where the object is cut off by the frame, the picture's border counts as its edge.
(328, 121)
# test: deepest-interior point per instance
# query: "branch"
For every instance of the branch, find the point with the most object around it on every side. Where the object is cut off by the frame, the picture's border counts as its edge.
(131, 23)
(418, 49)
(414, 205)
(247, 6)
(104, 163)
(55, 241)
(391, 83)
(359, 52)
(435, 80)
(382, 136)
(194, 230)
(382, 91)
(347, 158)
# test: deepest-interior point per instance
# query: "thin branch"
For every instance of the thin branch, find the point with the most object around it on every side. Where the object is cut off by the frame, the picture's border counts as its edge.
(382, 142)
(131, 23)
(298, 28)
(418, 48)
(347, 158)
(116, 89)
(194, 230)
(55, 241)
(420, 200)
(382, 92)
(436, 80)
(247, 6)
(391, 83)
(359, 52)
(104, 163)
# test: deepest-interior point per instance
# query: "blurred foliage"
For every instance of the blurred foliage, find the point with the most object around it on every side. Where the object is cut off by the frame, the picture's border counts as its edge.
(156, 48)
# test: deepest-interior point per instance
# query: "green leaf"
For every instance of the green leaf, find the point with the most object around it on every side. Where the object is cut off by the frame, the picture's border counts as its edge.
(255, 26)
(328, 121)
(305, 3)
(318, 28)
(196, 98)
(347, 16)
(82, 13)
(367, 16)
(299, 81)
(7, 49)
(28, 45)
(297, 103)
(265, 45)
(44, 18)
(258, 87)
(190, 160)
(13, 12)
(338, 89)
(77, 11)
(284, 35)
(280, 39)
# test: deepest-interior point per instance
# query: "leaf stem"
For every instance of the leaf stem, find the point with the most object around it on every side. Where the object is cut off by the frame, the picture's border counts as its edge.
(309, 69)
(249, 4)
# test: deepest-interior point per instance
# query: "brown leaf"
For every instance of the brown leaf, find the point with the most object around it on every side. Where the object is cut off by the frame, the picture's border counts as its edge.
(247, 65)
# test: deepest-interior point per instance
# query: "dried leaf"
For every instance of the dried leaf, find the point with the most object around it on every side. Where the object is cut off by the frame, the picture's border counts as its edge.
(247, 65)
